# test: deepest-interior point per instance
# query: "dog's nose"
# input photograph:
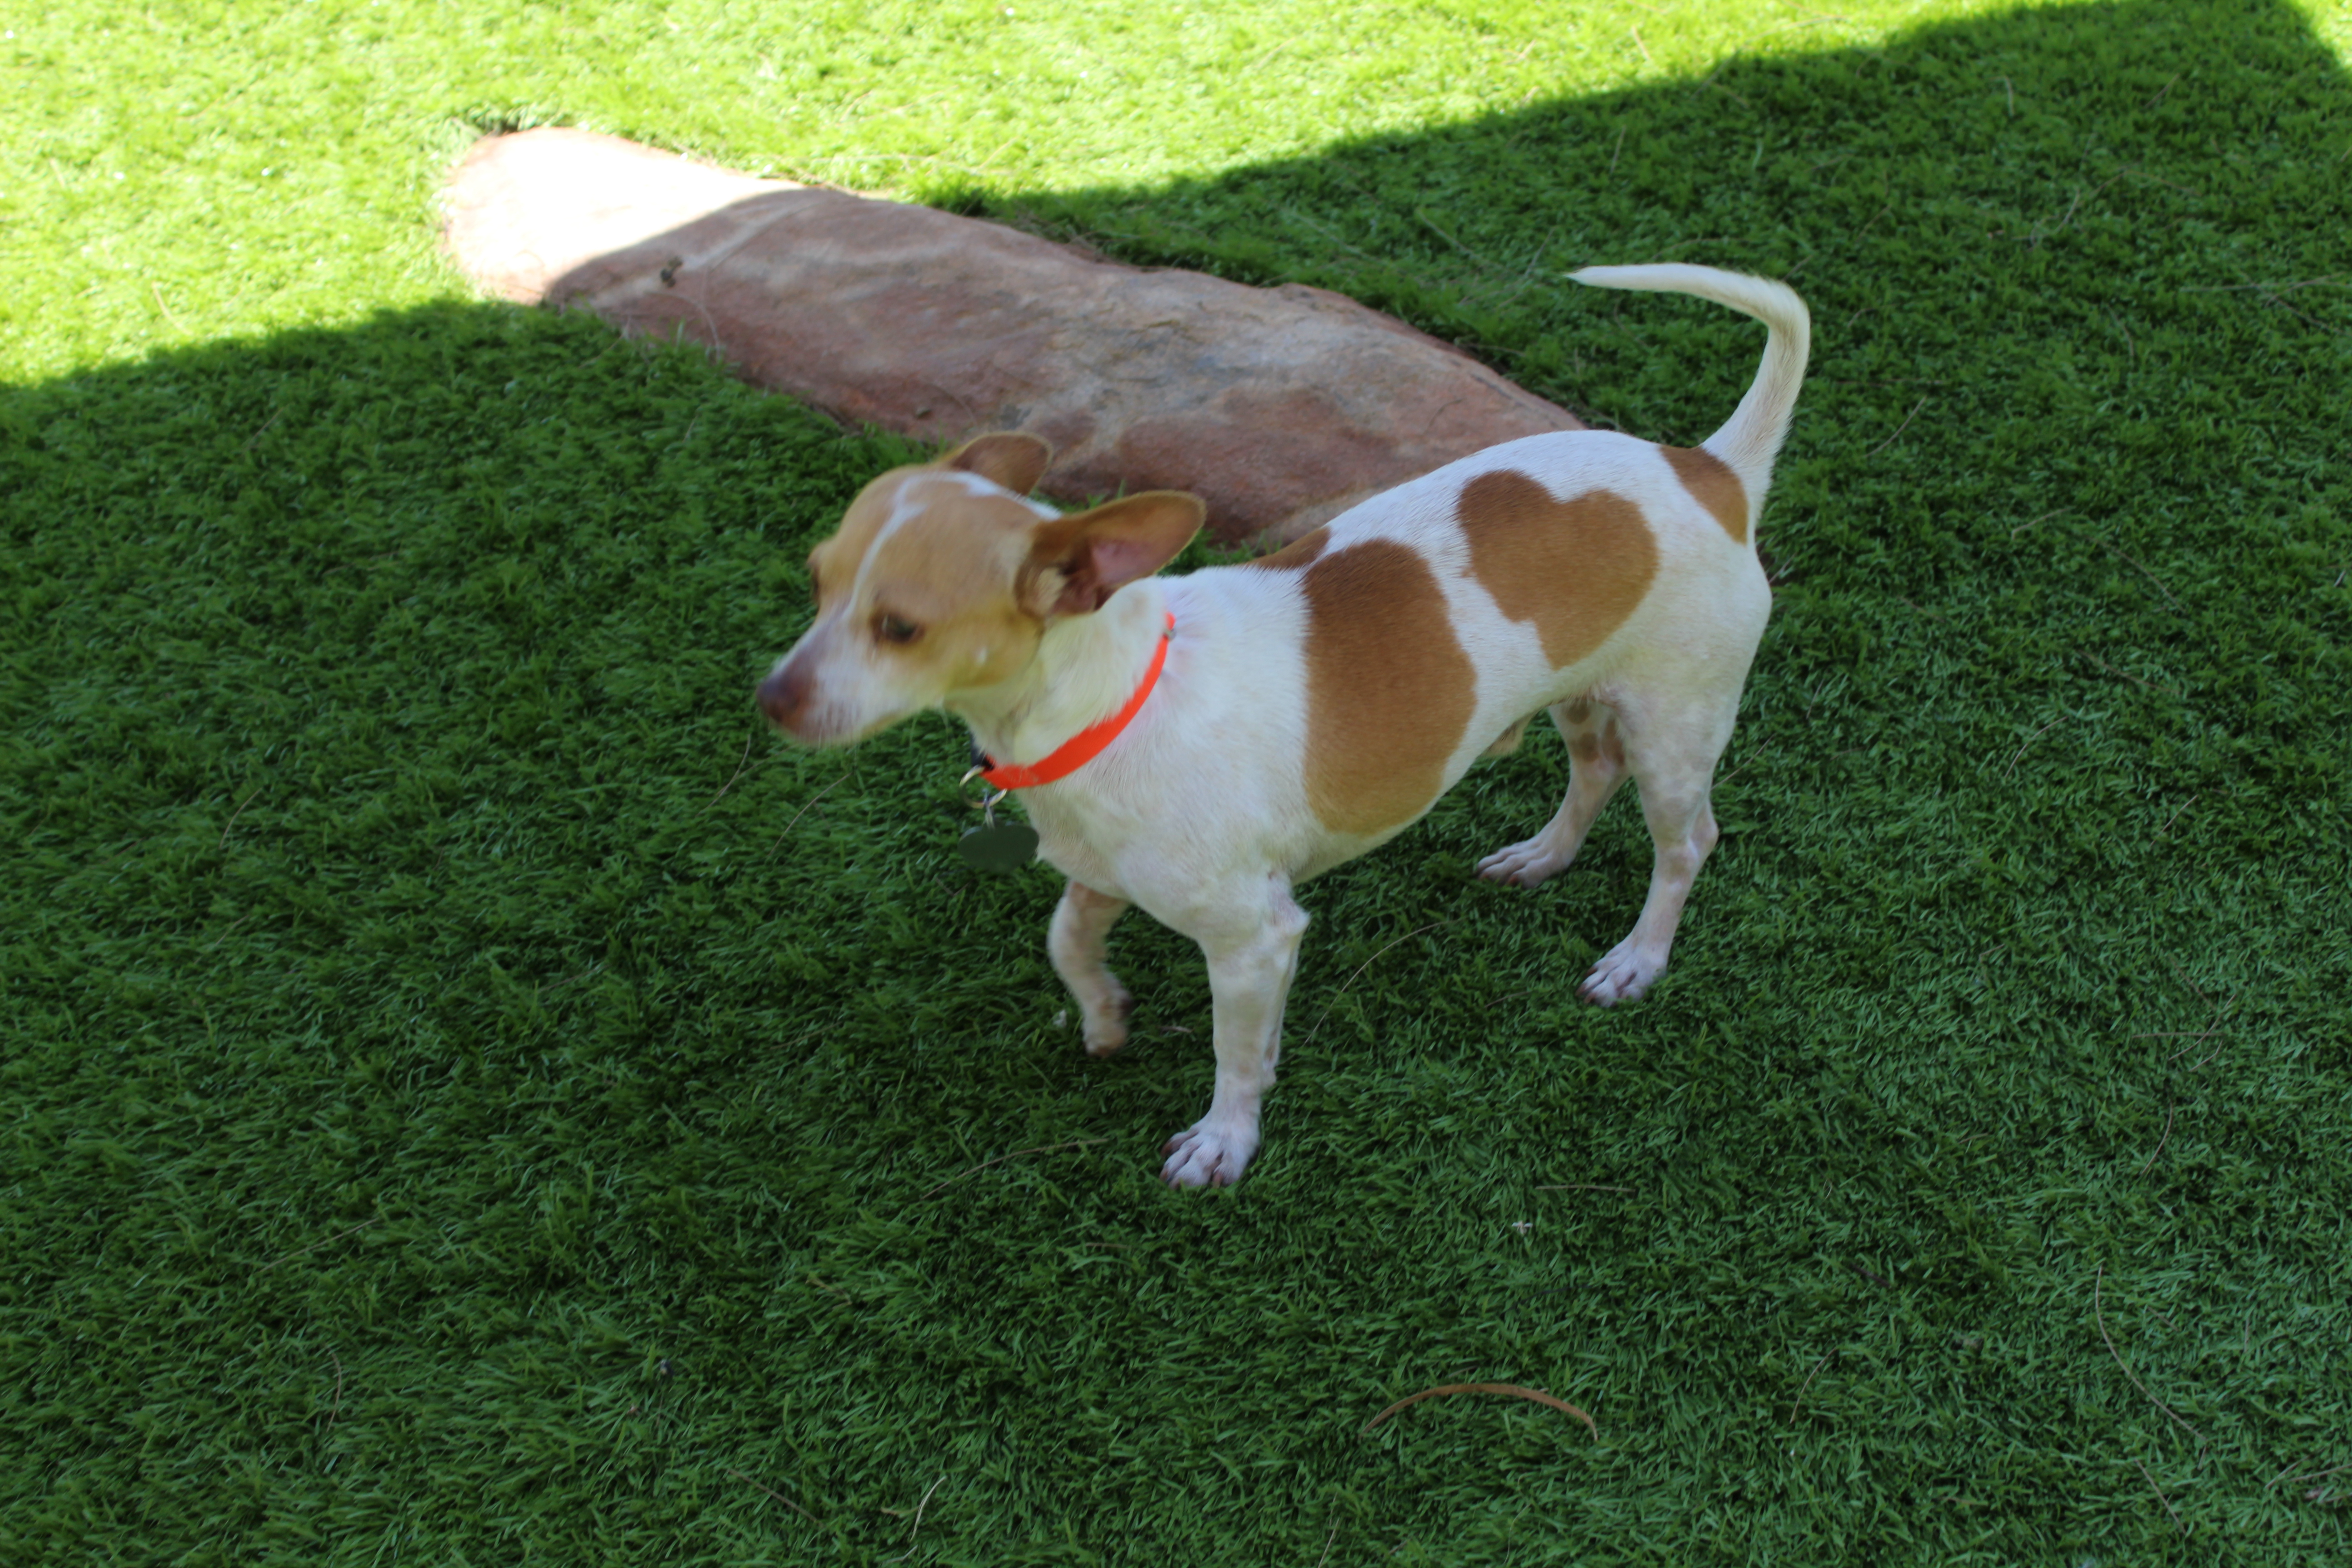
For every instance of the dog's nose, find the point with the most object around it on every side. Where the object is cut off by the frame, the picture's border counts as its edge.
(783, 696)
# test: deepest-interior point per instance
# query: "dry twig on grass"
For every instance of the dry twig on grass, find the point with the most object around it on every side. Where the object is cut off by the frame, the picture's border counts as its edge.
(919, 1519)
(2097, 1279)
(2133, 560)
(2265, 288)
(177, 326)
(2128, 674)
(316, 1244)
(2160, 1143)
(1798, 1408)
(2314, 1476)
(803, 811)
(237, 812)
(2075, 205)
(1360, 969)
(1899, 428)
(2161, 1498)
(2028, 740)
(1512, 1389)
(779, 1497)
(1040, 1149)
(739, 768)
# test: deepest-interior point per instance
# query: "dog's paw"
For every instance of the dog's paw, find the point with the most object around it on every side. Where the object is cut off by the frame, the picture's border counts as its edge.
(1207, 1154)
(1522, 865)
(1624, 973)
(1106, 1026)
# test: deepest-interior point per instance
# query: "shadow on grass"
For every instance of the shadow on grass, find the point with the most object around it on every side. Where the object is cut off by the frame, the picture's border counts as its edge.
(451, 1041)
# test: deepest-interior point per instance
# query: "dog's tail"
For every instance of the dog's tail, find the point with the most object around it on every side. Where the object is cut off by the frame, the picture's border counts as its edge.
(1751, 437)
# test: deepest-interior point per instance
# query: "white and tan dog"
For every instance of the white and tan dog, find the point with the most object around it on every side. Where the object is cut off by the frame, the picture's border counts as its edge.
(1300, 709)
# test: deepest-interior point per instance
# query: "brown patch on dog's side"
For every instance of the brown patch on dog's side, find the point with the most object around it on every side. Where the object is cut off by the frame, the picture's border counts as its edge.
(1300, 552)
(1714, 486)
(1390, 690)
(1573, 569)
(1579, 711)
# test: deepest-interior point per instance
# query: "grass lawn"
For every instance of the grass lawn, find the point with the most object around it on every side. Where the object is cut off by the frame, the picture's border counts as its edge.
(469, 1094)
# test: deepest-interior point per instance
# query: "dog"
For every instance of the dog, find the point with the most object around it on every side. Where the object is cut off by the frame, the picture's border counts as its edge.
(1201, 745)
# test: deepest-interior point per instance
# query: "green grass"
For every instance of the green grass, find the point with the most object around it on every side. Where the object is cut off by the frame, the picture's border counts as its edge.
(469, 1095)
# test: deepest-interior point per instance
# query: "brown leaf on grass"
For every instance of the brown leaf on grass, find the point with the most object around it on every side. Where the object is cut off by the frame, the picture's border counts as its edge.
(1510, 1388)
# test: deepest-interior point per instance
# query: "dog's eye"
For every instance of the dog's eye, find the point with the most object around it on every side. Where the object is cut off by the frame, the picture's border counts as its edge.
(893, 629)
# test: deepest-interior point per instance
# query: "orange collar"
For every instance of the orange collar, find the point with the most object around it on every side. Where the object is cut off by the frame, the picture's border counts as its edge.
(1081, 748)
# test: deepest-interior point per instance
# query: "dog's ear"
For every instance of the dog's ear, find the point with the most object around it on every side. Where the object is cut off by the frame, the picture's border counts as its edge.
(1077, 562)
(1014, 459)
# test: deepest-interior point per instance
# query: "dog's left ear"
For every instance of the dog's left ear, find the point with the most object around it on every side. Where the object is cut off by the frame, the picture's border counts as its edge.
(1077, 562)
(1014, 459)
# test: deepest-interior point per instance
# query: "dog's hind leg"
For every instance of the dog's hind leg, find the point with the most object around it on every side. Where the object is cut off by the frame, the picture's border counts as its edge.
(1672, 756)
(1076, 940)
(1596, 766)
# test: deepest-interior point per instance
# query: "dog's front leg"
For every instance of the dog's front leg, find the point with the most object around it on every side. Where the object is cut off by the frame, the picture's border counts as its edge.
(1250, 968)
(1081, 927)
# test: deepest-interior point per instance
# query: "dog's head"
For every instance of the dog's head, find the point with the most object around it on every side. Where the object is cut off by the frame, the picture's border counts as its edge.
(942, 579)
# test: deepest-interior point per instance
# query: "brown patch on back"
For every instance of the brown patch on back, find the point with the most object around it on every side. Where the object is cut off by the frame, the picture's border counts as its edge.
(1300, 552)
(1574, 569)
(1714, 486)
(1390, 690)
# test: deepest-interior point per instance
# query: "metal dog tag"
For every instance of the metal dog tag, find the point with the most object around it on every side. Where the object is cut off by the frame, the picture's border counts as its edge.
(1000, 847)
(997, 845)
